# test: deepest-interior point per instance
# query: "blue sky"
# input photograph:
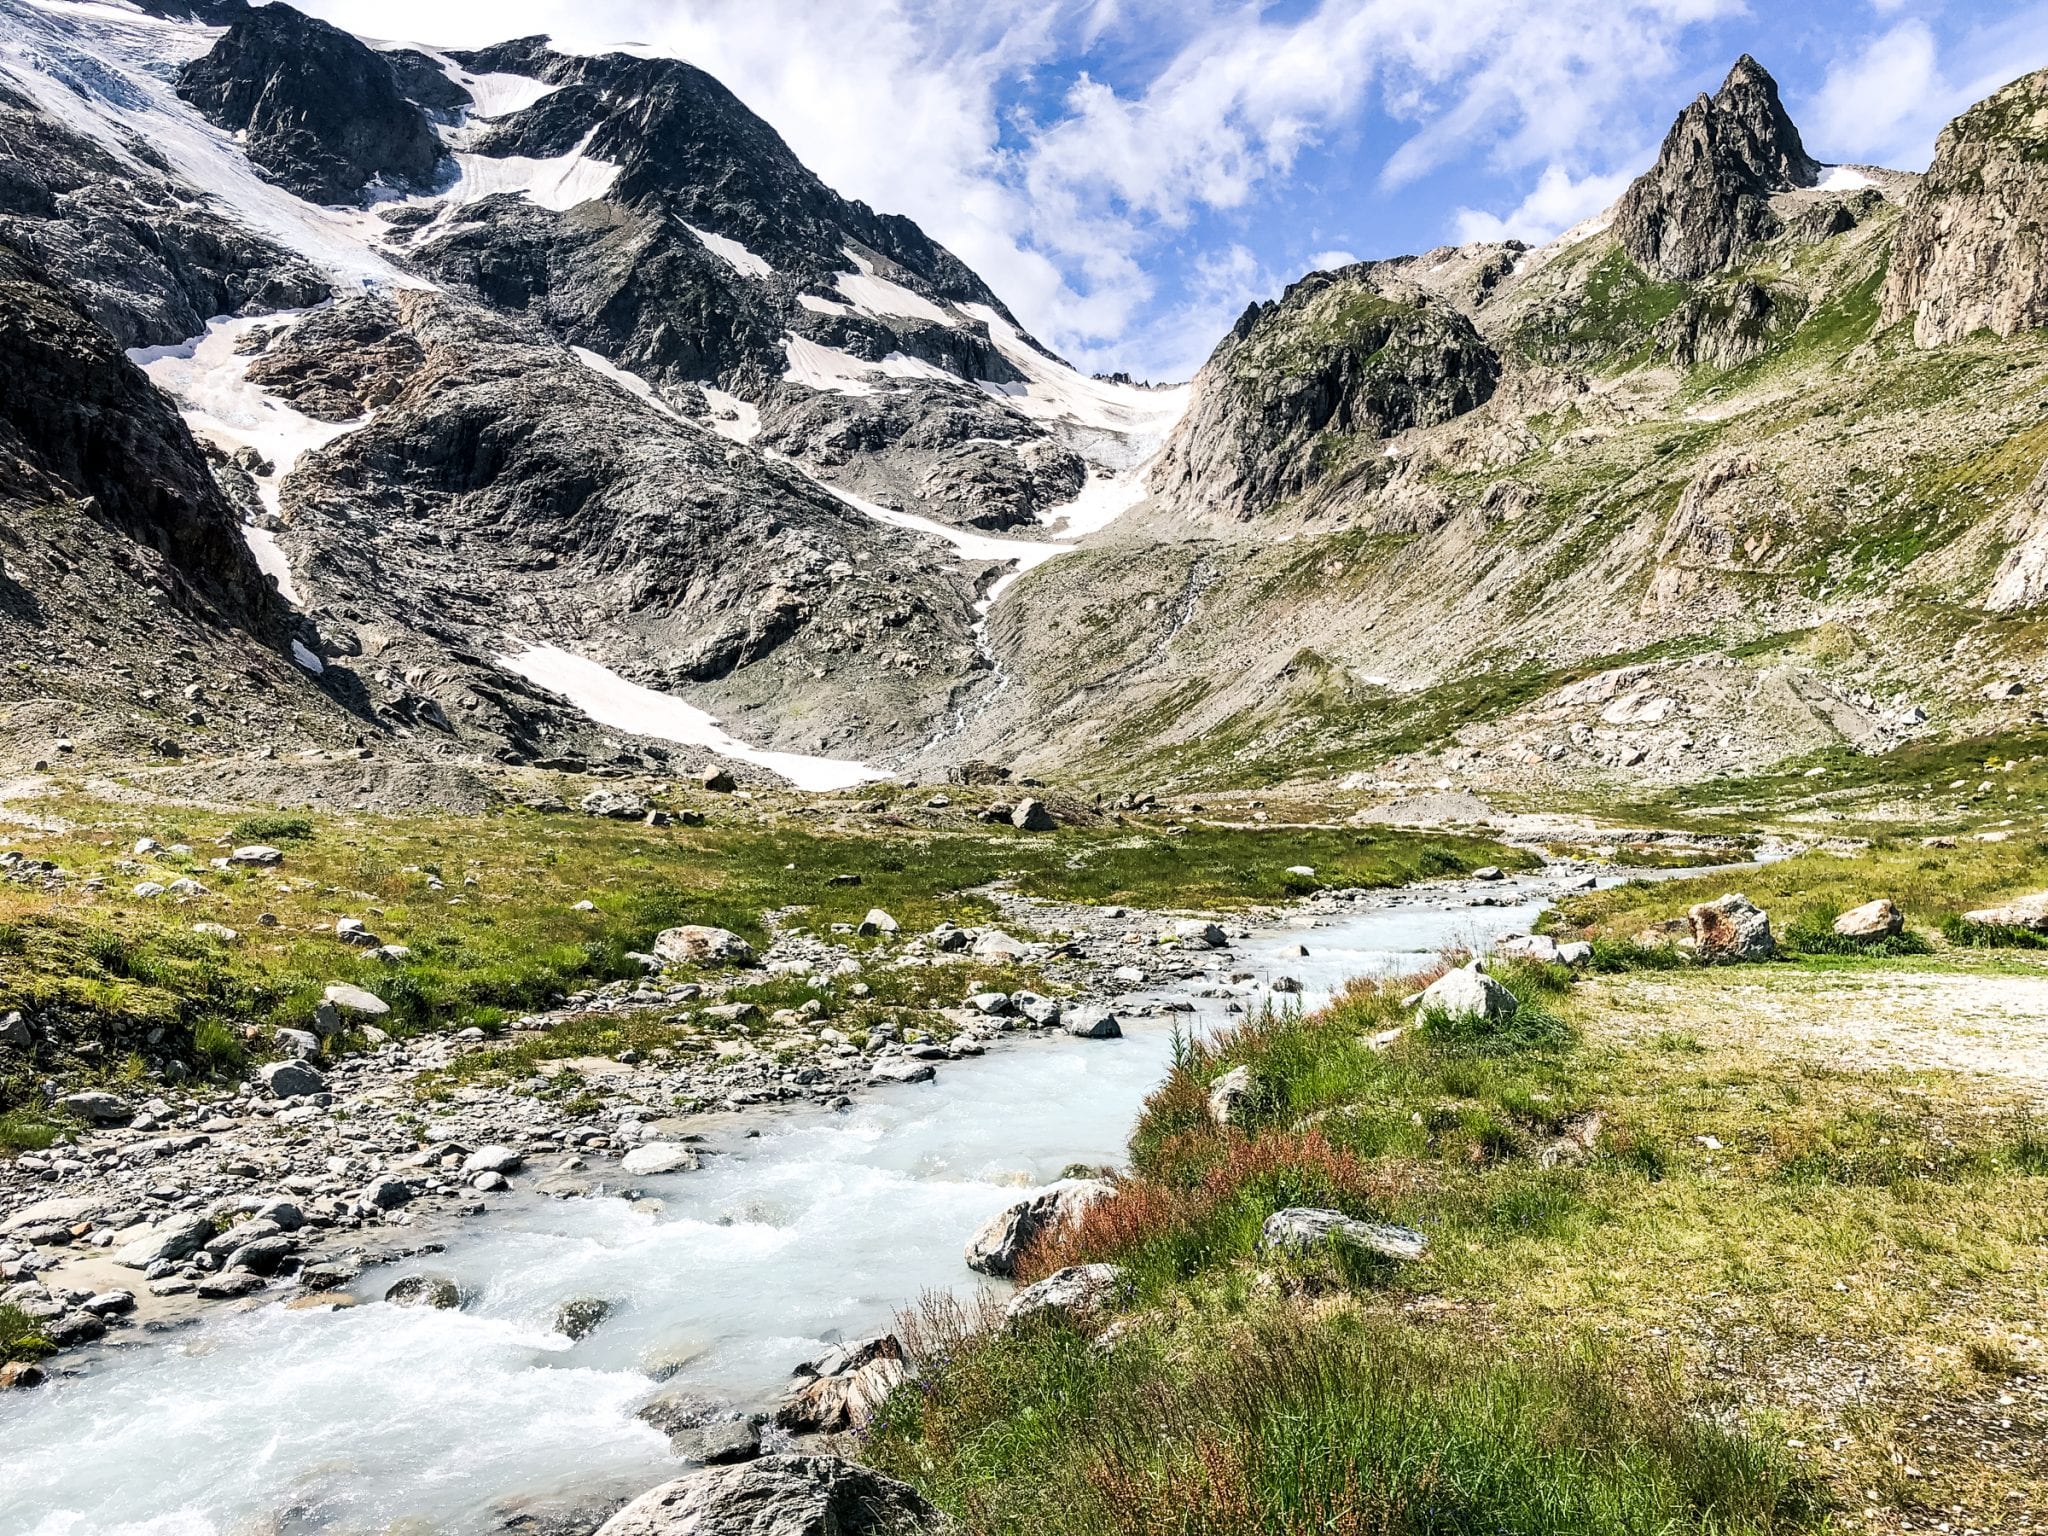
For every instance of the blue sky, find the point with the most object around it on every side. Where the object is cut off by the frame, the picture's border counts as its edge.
(1128, 174)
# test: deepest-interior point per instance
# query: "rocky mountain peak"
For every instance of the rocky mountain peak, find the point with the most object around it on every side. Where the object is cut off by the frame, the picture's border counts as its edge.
(1707, 199)
(322, 112)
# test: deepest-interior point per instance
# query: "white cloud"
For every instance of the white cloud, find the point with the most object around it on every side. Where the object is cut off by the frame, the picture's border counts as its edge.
(1555, 204)
(1329, 261)
(1874, 99)
(996, 125)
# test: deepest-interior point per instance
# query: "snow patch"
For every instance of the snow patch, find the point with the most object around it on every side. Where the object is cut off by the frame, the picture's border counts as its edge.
(732, 253)
(559, 182)
(1843, 178)
(731, 417)
(1052, 391)
(498, 95)
(610, 700)
(822, 367)
(1103, 499)
(823, 306)
(271, 562)
(970, 546)
(868, 290)
(632, 383)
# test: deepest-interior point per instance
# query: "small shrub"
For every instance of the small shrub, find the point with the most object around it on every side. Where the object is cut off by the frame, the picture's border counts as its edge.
(272, 829)
(1990, 935)
(23, 1130)
(13, 939)
(1813, 933)
(1613, 956)
(217, 1047)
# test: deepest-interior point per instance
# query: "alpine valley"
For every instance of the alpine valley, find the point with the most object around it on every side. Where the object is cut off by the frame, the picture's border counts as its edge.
(610, 773)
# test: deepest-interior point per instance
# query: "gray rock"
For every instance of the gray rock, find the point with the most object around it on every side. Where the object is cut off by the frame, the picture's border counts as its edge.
(721, 1444)
(1001, 1241)
(659, 1157)
(901, 1069)
(1880, 919)
(1032, 816)
(876, 923)
(1468, 993)
(581, 1316)
(97, 1108)
(258, 854)
(1078, 1289)
(263, 1256)
(2028, 912)
(1227, 1093)
(615, 804)
(436, 1291)
(1196, 933)
(1041, 1011)
(1302, 1229)
(843, 1391)
(695, 943)
(1577, 954)
(782, 1495)
(15, 1033)
(1091, 1022)
(303, 1045)
(173, 1238)
(494, 1159)
(290, 1079)
(1732, 928)
(384, 1194)
(355, 1000)
(996, 1005)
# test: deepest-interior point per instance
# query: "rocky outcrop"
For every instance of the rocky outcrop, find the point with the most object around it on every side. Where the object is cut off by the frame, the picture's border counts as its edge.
(1723, 327)
(1730, 520)
(786, 1495)
(1304, 389)
(318, 111)
(150, 264)
(79, 423)
(1972, 248)
(342, 361)
(1707, 199)
(2021, 580)
(1005, 1237)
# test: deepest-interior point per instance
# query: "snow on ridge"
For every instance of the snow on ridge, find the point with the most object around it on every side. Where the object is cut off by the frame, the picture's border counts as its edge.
(732, 418)
(1053, 391)
(828, 368)
(559, 182)
(611, 700)
(1843, 178)
(732, 253)
(867, 290)
(632, 383)
(823, 306)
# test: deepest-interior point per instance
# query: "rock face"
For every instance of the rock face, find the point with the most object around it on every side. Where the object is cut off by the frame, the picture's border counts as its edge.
(785, 1495)
(319, 111)
(1732, 928)
(1303, 389)
(1972, 249)
(81, 425)
(1707, 199)
(995, 1249)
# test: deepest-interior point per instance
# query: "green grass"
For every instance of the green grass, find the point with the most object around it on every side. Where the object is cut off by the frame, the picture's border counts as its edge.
(25, 1130)
(1290, 1425)
(133, 971)
(19, 1338)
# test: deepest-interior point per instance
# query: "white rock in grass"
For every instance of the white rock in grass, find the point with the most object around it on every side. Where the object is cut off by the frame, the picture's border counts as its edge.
(1302, 1229)
(1468, 993)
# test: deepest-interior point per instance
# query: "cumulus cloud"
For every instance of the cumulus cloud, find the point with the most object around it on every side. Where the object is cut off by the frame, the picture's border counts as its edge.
(1062, 147)
(1557, 202)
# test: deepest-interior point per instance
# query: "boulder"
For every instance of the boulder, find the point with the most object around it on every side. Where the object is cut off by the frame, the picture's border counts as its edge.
(613, 804)
(1090, 1022)
(493, 1159)
(1078, 1289)
(354, 1000)
(257, 854)
(1577, 954)
(15, 1033)
(581, 1316)
(20, 1375)
(1041, 1011)
(1527, 946)
(695, 943)
(1734, 928)
(97, 1108)
(782, 1495)
(436, 1291)
(1002, 1239)
(721, 1444)
(384, 1194)
(262, 1256)
(718, 780)
(1227, 1093)
(290, 1079)
(175, 1237)
(1199, 934)
(998, 945)
(1031, 816)
(1303, 1229)
(901, 1069)
(1879, 919)
(842, 1391)
(658, 1157)
(877, 922)
(1489, 872)
(2028, 912)
(1468, 993)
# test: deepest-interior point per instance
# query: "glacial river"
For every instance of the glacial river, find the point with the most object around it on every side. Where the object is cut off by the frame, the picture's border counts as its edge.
(805, 1227)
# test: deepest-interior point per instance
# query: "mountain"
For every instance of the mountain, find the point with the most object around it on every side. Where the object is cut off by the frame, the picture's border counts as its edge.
(521, 407)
